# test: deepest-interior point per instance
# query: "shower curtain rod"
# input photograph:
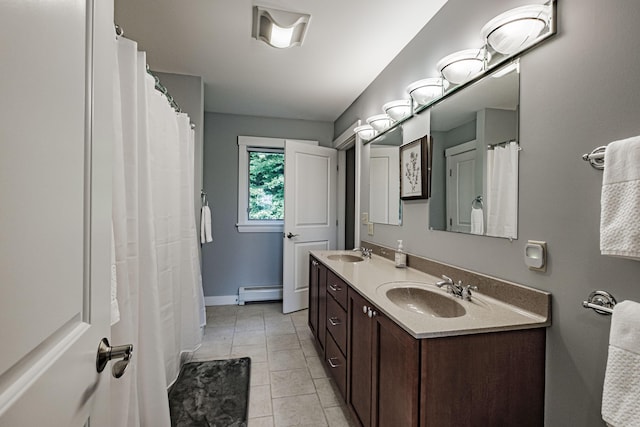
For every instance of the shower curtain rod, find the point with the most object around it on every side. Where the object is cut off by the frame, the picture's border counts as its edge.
(492, 146)
(159, 86)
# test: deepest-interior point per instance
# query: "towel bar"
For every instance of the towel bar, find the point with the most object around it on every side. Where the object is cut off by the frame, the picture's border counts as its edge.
(602, 302)
(596, 157)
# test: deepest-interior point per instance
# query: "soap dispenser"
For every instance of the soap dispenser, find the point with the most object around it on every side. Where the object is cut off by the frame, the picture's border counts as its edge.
(401, 257)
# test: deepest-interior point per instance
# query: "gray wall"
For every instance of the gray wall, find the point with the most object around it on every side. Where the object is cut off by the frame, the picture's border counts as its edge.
(236, 259)
(579, 90)
(188, 92)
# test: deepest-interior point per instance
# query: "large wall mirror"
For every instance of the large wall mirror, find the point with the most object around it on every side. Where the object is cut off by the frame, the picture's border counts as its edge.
(475, 157)
(384, 178)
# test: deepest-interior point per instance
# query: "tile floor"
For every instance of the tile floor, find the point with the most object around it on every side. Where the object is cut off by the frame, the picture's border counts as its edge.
(289, 384)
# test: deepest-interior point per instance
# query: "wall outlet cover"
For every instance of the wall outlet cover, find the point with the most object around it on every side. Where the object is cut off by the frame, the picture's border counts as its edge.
(364, 217)
(535, 255)
(370, 229)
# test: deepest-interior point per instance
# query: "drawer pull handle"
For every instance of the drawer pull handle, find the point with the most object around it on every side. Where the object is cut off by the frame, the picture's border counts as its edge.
(334, 321)
(332, 363)
(335, 288)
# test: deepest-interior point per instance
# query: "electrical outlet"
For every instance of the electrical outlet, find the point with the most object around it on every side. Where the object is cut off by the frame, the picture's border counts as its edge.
(364, 217)
(370, 229)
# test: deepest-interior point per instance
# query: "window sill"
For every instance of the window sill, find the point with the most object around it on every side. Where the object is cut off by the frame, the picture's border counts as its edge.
(260, 228)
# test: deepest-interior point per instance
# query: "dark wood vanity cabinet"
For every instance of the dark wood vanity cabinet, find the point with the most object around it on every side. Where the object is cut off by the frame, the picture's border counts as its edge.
(383, 368)
(391, 379)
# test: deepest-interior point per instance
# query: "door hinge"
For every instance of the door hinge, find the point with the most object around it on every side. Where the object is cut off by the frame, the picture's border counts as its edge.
(450, 172)
(450, 222)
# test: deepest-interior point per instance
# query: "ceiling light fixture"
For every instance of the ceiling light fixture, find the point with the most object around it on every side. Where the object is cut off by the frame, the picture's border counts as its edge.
(516, 29)
(461, 66)
(279, 28)
(398, 110)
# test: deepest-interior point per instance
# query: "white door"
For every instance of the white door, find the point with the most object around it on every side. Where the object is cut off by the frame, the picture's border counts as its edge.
(461, 185)
(310, 215)
(55, 187)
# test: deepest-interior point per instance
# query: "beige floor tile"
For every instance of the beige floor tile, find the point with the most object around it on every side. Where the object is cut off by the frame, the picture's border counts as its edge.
(316, 367)
(300, 318)
(339, 416)
(291, 383)
(309, 348)
(281, 327)
(283, 360)
(327, 392)
(257, 353)
(282, 342)
(260, 401)
(218, 333)
(252, 323)
(261, 422)
(298, 411)
(249, 338)
(212, 350)
(259, 373)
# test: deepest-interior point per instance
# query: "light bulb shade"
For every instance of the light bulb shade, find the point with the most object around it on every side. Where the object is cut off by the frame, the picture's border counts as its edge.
(398, 110)
(516, 29)
(380, 122)
(365, 132)
(426, 90)
(463, 65)
(279, 28)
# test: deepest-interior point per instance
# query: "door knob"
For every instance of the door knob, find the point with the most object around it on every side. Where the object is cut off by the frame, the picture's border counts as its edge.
(107, 353)
(291, 235)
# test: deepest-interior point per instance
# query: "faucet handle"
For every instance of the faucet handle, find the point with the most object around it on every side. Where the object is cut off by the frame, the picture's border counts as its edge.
(466, 291)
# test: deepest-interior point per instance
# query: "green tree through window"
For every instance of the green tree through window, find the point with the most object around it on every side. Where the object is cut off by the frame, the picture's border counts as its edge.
(266, 185)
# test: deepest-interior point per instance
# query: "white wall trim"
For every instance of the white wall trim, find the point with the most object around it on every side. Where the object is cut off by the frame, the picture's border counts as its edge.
(221, 300)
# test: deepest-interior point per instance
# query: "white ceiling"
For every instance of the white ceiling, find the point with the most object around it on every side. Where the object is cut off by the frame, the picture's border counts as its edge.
(348, 43)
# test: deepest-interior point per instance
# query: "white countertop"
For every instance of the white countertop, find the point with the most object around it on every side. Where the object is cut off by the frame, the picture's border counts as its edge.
(373, 277)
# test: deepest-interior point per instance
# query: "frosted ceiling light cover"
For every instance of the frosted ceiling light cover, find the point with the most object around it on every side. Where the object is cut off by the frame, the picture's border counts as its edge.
(461, 66)
(365, 132)
(426, 90)
(398, 110)
(279, 28)
(380, 122)
(516, 29)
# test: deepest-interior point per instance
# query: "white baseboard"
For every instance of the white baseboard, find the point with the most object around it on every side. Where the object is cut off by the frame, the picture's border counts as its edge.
(221, 300)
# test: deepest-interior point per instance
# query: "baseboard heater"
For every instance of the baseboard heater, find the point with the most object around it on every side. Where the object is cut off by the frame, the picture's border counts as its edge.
(259, 293)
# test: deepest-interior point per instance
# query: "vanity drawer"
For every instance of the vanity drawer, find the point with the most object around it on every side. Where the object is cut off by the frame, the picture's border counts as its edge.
(337, 365)
(337, 288)
(337, 323)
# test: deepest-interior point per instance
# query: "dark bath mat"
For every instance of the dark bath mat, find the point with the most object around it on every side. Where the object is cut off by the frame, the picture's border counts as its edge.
(211, 394)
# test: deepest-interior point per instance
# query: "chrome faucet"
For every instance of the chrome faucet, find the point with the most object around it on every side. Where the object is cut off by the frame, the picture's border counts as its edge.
(366, 252)
(457, 290)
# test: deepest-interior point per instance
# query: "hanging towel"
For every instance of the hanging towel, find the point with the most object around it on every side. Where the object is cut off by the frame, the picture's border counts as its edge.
(205, 225)
(477, 221)
(620, 201)
(622, 378)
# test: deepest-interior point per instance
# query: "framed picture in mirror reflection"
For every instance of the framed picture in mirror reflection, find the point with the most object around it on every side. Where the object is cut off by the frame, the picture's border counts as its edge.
(414, 169)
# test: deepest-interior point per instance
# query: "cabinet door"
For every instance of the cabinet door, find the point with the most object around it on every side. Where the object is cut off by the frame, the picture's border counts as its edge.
(359, 358)
(396, 373)
(322, 305)
(313, 295)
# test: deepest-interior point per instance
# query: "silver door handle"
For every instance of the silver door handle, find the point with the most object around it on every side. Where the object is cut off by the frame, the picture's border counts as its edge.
(107, 353)
(291, 235)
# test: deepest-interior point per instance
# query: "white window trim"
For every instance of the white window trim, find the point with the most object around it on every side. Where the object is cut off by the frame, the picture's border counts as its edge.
(244, 224)
(244, 142)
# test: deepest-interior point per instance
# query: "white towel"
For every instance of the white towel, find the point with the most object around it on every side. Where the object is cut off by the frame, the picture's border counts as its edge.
(622, 378)
(477, 221)
(205, 225)
(620, 201)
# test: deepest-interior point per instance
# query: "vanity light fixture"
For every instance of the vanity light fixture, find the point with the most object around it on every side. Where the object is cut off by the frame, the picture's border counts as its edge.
(279, 28)
(426, 90)
(365, 132)
(463, 65)
(398, 109)
(380, 122)
(516, 29)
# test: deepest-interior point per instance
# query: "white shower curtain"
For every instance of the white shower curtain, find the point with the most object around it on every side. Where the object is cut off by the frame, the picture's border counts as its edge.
(158, 270)
(502, 191)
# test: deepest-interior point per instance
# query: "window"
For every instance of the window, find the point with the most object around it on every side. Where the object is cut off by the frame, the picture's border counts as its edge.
(260, 184)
